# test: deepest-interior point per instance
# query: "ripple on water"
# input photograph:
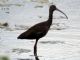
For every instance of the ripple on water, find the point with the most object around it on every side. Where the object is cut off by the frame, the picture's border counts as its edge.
(52, 42)
(20, 50)
(25, 59)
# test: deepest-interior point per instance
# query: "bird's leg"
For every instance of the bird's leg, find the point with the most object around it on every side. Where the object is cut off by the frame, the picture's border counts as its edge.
(35, 50)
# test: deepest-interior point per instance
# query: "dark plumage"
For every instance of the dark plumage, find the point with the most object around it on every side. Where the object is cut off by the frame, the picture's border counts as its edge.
(35, 32)
(39, 30)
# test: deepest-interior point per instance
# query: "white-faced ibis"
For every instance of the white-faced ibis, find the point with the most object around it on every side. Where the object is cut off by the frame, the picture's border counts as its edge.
(40, 30)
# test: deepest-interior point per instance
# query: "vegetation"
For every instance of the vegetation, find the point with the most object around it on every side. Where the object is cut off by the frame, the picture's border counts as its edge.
(4, 58)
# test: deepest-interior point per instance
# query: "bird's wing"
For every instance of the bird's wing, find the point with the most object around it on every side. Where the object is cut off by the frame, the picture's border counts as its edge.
(38, 30)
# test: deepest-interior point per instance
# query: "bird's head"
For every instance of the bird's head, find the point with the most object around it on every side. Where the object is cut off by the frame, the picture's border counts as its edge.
(53, 8)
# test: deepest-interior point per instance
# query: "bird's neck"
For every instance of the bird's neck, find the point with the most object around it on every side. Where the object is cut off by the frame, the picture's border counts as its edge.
(50, 17)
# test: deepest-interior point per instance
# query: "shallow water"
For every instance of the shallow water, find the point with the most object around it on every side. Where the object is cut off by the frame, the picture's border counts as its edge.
(50, 47)
(61, 43)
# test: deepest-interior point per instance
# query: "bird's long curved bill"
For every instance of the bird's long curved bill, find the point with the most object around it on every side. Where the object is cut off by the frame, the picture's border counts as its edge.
(62, 13)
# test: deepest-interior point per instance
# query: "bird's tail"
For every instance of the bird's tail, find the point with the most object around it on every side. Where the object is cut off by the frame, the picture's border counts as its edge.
(22, 36)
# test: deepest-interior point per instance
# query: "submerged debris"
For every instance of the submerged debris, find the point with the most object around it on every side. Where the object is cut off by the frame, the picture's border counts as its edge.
(3, 25)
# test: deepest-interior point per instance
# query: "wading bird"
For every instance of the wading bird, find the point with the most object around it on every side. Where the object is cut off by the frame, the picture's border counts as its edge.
(40, 30)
